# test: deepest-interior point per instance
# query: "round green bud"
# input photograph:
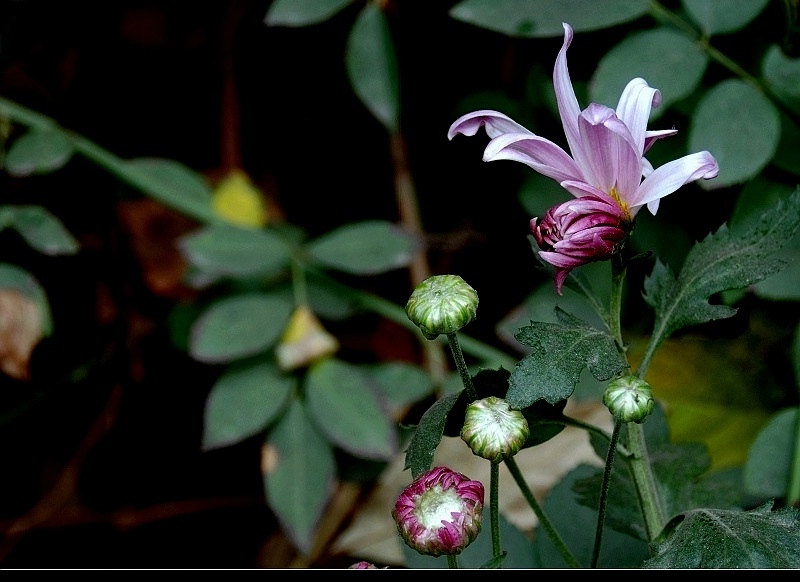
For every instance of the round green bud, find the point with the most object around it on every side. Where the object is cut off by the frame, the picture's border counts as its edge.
(629, 399)
(493, 430)
(442, 304)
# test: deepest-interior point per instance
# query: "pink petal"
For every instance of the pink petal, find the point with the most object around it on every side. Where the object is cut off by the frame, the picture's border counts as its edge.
(634, 107)
(536, 152)
(495, 123)
(568, 107)
(671, 176)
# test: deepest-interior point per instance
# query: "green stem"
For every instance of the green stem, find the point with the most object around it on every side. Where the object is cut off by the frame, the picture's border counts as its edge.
(494, 508)
(452, 562)
(543, 521)
(645, 482)
(615, 302)
(601, 513)
(461, 365)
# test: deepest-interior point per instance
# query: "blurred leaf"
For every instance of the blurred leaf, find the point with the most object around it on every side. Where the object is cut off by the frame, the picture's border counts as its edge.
(227, 251)
(769, 462)
(721, 16)
(560, 353)
(42, 230)
(796, 356)
(543, 18)
(299, 472)
(238, 326)
(14, 277)
(401, 383)
(668, 60)
(242, 402)
(724, 114)
(718, 263)
(237, 200)
(364, 248)
(428, 435)
(783, 75)
(756, 198)
(302, 12)
(170, 183)
(786, 157)
(346, 407)
(38, 151)
(717, 538)
(372, 66)
(571, 519)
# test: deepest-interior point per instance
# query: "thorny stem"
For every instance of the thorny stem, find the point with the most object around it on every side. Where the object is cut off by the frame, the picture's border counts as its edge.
(537, 509)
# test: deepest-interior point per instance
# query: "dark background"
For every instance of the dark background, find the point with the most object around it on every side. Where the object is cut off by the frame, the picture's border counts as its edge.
(112, 400)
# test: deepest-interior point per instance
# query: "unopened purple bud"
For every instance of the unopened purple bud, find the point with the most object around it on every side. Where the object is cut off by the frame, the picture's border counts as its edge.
(440, 513)
(580, 231)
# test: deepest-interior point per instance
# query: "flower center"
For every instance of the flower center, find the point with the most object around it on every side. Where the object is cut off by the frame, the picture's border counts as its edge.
(626, 213)
(437, 505)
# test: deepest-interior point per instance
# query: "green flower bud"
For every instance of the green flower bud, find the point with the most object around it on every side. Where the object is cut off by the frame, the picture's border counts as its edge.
(493, 430)
(442, 304)
(629, 399)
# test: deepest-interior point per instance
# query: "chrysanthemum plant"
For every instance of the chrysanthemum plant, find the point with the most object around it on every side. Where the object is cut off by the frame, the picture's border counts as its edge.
(593, 201)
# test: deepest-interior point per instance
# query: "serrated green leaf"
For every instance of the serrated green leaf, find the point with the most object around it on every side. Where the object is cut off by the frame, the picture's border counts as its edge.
(364, 248)
(19, 279)
(238, 326)
(721, 16)
(718, 263)
(227, 251)
(560, 352)
(668, 60)
(345, 405)
(428, 435)
(171, 183)
(372, 66)
(299, 475)
(575, 523)
(543, 18)
(718, 538)
(41, 229)
(769, 462)
(724, 114)
(38, 151)
(302, 12)
(242, 402)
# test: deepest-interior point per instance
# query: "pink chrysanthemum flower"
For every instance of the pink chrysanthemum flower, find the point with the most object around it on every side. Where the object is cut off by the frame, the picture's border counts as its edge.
(440, 512)
(607, 146)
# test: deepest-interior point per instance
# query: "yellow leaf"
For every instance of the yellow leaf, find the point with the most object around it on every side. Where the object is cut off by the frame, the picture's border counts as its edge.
(237, 200)
(304, 341)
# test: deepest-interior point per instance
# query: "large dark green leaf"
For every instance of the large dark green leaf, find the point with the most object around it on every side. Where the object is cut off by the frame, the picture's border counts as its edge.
(718, 538)
(238, 326)
(769, 462)
(668, 60)
(782, 75)
(719, 263)
(721, 16)
(302, 12)
(560, 353)
(42, 230)
(401, 383)
(364, 248)
(39, 151)
(242, 402)
(727, 112)
(543, 18)
(345, 405)
(372, 66)
(299, 472)
(428, 435)
(227, 251)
